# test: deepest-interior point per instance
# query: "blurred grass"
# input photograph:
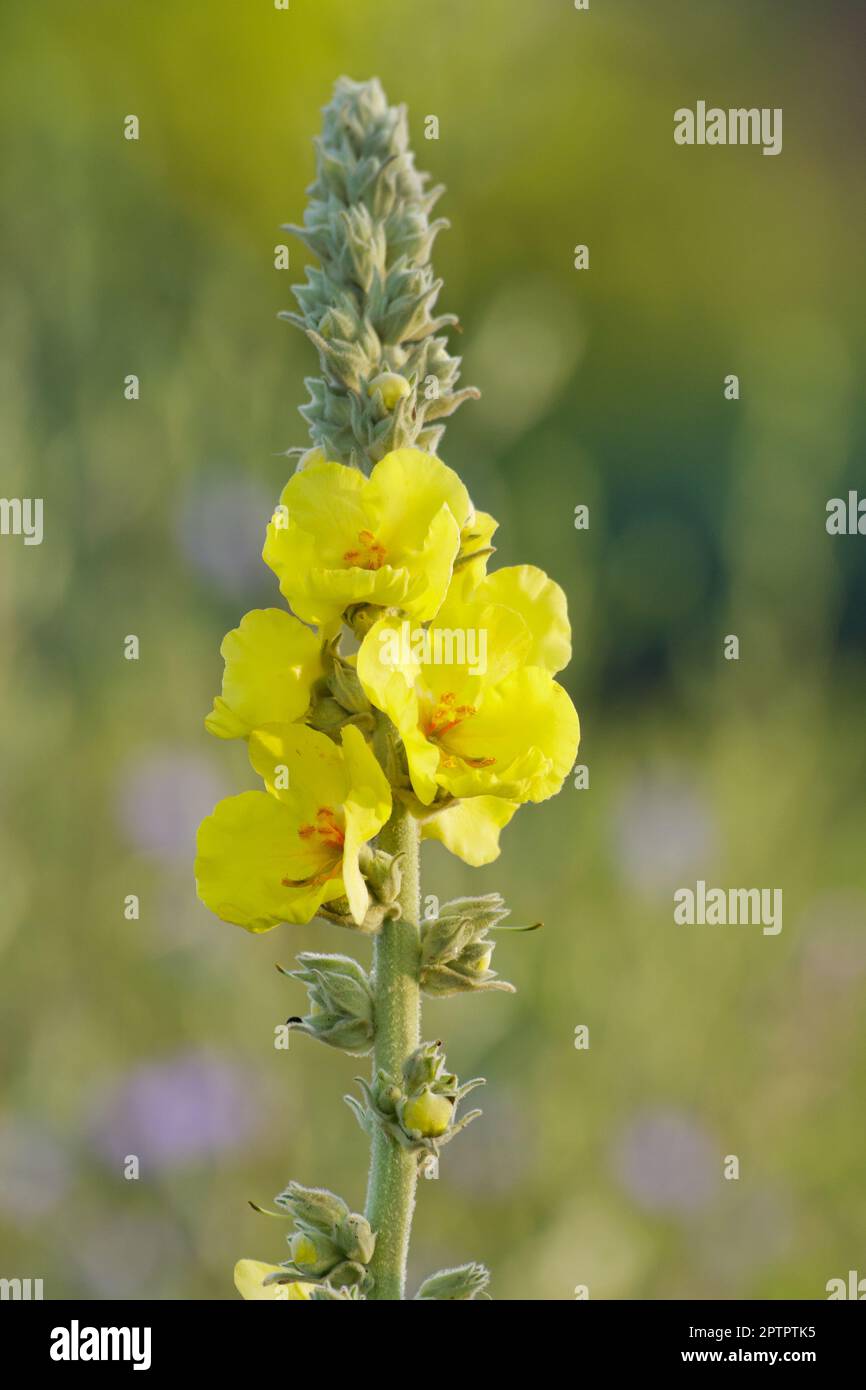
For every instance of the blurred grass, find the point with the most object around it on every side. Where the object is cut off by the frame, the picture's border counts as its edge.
(599, 1167)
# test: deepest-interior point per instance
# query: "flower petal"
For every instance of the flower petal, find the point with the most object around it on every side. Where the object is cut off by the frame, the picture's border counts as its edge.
(470, 829)
(271, 661)
(247, 848)
(528, 726)
(407, 488)
(367, 807)
(540, 601)
(249, 1282)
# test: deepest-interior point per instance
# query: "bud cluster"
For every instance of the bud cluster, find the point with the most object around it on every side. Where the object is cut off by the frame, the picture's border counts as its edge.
(368, 308)
(330, 1244)
(419, 1108)
(455, 951)
(341, 1002)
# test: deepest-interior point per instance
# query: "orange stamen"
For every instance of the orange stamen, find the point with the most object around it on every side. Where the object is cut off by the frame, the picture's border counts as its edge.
(446, 716)
(370, 556)
(329, 831)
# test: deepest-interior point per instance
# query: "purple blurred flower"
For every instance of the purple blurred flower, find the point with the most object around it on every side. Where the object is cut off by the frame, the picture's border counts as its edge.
(664, 831)
(162, 798)
(178, 1112)
(666, 1161)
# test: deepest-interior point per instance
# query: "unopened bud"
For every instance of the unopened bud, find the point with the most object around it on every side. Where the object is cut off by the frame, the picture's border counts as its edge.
(313, 1254)
(467, 1282)
(391, 386)
(427, 1114)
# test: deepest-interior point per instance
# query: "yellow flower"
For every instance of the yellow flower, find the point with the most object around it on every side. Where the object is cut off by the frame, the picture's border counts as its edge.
(249, 1282)
(278, 856)
(271, 662)
(339, 539)
(473, 694)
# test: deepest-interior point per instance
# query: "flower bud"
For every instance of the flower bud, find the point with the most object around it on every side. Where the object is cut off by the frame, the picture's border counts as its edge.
(428, 1114)
(314, 1255)
(383, 872)
(480, 964)
(313, 1206)
(325, 1293)
(465, 1283)
(356, 1239)
(455, 951)
(419, 1113)
(425, 1066)
(341, 1002)
(343, 683)
(392, 388)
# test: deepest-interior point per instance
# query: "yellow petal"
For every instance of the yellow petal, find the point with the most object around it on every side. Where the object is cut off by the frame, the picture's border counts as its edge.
(367, 807)
(251, 859)
(249, 1277)
(407, 488)
(271, 661)
(301, 767)
(470, 829)
(529, 592)
(476, 537)
(521, 742)
(388, 671)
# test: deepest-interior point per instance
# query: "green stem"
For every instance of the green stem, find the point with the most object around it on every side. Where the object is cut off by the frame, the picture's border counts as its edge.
(393, 1170)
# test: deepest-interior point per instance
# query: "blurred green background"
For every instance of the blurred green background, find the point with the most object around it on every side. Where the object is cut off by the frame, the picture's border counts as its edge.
(603, 387)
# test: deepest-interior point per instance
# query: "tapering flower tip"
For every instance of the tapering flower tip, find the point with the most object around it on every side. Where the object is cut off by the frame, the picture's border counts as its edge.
(369, 308)
(466, 1282)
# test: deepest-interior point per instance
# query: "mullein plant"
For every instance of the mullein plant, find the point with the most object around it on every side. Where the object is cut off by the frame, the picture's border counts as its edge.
(369, 722)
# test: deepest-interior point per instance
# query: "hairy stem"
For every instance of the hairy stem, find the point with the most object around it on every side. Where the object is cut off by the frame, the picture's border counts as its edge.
(393, 1170)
